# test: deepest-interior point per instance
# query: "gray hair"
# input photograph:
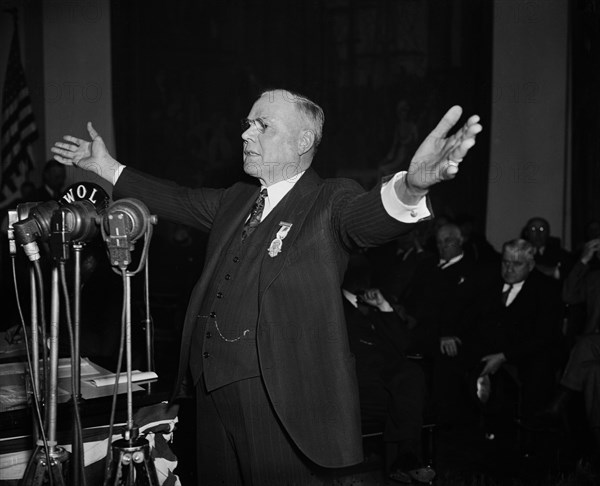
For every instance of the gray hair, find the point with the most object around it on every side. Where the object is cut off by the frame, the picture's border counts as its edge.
(307, 107)
(520, 247)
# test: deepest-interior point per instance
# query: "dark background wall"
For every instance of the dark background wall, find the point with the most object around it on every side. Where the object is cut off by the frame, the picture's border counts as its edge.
(186, 73)
(585, 49)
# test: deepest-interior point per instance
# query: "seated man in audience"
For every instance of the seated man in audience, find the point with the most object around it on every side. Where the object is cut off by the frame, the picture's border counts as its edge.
(515, 331)
(581, 375)
(439, 293)
(391, 388)
(447, 283)
(550, 258)
(582, 285)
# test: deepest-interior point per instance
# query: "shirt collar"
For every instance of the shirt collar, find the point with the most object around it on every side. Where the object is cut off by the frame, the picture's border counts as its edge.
(350, 297)
(445, 264)
(516, 287)
(49, 190)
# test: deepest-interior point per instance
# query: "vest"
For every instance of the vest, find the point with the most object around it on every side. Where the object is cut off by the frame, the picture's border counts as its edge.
(223, 345)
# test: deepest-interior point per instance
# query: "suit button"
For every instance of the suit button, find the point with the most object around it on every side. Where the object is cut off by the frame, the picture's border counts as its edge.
(227, 277)
(206, 355)
(213, 314)
(219, 295)
(208, 335)
(236, 259)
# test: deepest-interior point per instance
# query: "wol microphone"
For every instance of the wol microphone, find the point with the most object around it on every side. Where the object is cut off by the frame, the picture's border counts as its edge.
(76, 222)
(35, 227)
(124, 222)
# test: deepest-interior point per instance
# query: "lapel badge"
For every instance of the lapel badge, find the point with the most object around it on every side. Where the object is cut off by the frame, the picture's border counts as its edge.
(277, 243)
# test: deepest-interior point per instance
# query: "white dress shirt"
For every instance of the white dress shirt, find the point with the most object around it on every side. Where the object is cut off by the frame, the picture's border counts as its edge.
(516, 288)
(443, 264)
(350, 297)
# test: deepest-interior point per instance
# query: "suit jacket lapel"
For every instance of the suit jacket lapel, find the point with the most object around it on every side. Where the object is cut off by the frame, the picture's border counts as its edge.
(293, 209)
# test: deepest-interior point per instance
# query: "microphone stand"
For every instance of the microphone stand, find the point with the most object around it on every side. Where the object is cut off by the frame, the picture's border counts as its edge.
(148, 322)
(37, 468)
(131, 463)
(77, 459)
(77, 247)
(35, 352)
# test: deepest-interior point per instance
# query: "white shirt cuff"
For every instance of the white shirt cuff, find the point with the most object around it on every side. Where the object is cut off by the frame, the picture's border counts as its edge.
(396, 208)
(117, 173)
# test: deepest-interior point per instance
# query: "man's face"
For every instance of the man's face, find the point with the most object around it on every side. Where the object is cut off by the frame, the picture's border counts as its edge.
(449, 242)
(271, 151)
(537, 232)
(515, 267)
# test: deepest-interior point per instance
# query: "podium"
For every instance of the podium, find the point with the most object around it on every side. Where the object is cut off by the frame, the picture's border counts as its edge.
(16, 443)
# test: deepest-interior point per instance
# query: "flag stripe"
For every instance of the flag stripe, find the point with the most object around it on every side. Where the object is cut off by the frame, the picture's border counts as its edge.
(13, 114)
(16, 145)
(18, 130)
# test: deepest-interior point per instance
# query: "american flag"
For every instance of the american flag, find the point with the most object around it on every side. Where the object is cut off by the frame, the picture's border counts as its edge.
(18, 125)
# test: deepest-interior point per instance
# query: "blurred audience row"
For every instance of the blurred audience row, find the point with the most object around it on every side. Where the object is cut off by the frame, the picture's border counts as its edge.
(478, 335)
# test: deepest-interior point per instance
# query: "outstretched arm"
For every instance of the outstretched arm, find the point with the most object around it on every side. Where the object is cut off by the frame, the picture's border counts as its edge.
(92, 156)
(438, 157)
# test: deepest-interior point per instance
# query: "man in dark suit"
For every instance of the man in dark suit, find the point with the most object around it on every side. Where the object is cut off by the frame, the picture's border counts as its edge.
(446, 280)
(515, 331)
(449, 281)
(391, 387)
(53, 181)
(551, 258)
(264, 336)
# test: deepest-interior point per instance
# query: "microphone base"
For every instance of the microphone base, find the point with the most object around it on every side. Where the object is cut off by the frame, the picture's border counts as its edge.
(38, 471)
(131, 464)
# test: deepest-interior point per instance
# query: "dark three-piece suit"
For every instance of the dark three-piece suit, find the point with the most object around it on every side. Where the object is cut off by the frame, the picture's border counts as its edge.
(279, 317)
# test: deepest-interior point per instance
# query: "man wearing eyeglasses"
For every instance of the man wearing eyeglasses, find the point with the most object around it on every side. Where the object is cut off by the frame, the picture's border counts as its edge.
(550, 258)
(264, 339)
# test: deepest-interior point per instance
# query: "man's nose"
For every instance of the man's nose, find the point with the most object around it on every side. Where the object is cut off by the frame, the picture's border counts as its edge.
(246, 134)
(250, 132)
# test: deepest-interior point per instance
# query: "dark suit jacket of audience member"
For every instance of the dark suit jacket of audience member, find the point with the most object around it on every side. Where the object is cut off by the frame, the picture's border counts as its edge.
(582, 285)
(528, 328)
(437, 298)
(392, 387)
(378, 340)
(393, 270)
(554, 254)
(41, 194)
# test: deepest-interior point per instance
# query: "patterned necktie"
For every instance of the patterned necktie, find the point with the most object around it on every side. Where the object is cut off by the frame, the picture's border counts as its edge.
(505, 295)
(255, 214)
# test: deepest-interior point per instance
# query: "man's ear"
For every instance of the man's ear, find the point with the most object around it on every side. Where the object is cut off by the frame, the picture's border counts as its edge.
(306, 142)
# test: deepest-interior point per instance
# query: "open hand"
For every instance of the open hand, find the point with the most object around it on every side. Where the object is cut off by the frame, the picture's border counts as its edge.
(92, 156)
(438, 157)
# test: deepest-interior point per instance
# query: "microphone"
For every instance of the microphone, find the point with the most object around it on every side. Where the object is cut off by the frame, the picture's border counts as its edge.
(35, 227)
(124, 222)
(76, 222)
(20, 213)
